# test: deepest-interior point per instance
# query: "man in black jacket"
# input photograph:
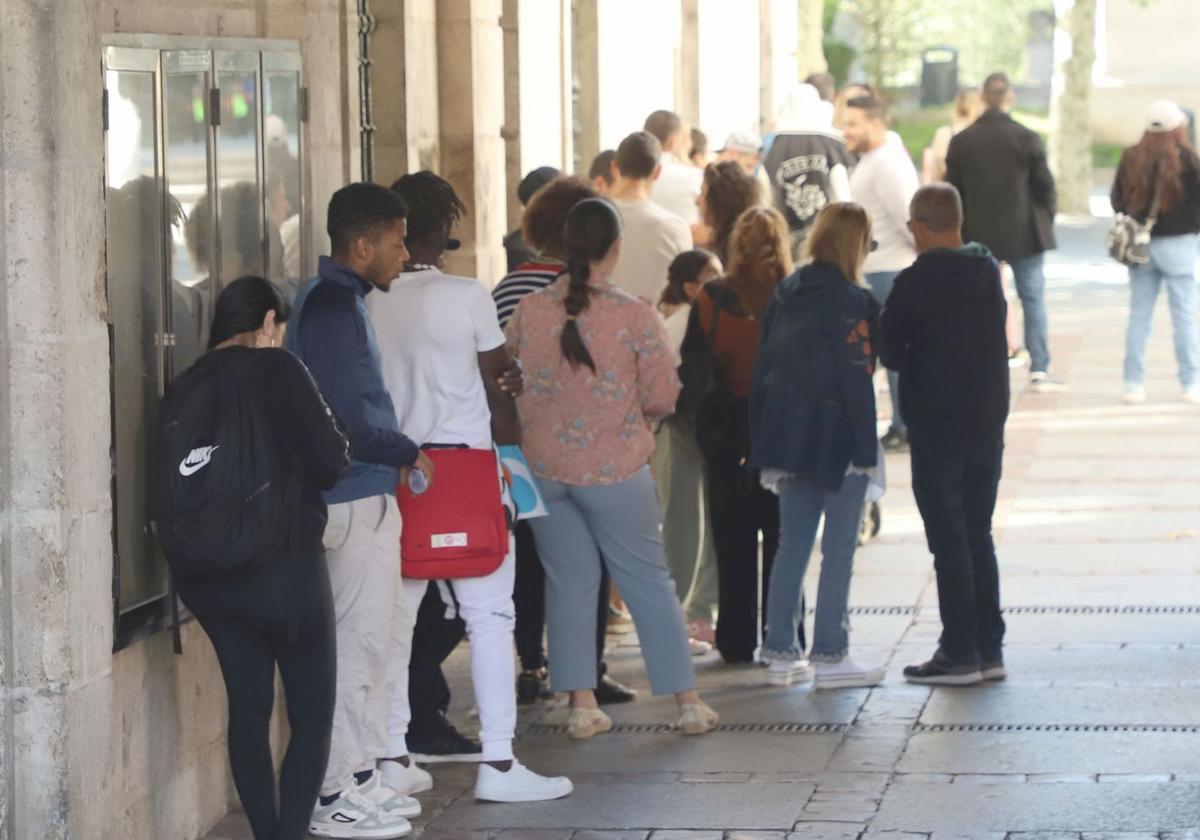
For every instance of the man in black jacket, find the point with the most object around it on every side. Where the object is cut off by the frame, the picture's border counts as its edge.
(999, 167)
(943, 331)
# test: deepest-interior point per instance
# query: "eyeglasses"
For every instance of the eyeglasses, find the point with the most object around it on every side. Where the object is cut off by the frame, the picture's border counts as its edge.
(874, 246)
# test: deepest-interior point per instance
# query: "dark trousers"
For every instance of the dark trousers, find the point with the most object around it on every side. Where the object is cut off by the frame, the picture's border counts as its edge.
(739, 510)
(956, 494)
(435, 636)
(529, 598)
(247, 624)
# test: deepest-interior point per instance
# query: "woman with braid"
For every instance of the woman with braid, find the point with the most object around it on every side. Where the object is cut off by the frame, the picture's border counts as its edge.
(598, 371)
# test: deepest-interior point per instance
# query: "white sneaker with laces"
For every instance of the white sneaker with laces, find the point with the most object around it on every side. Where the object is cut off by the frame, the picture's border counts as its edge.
(1134, 394)
(848, 673)
(1191, 394)
(388, 800)
(408, 780)
(788, 671)
(353, 816)
(519, 784)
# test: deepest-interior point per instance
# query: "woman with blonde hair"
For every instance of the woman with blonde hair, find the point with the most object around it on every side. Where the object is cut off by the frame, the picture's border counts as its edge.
(813, 436)
(968, 105)
(722, 337)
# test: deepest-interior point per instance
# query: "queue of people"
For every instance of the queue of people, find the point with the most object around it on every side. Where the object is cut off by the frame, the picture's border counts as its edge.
(693, 395)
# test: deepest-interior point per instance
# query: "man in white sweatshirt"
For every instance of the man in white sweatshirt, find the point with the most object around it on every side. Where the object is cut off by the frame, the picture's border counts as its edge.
(884, 182)
(678, 184)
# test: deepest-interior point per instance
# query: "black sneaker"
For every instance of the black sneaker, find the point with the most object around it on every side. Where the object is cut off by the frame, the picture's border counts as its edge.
(443, 744)
(895, 439)
(938, 671)
(531, 687)
(993, 670)
(609, 692)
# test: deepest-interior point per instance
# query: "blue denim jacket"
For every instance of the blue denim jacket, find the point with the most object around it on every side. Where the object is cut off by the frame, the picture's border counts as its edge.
(331, 332)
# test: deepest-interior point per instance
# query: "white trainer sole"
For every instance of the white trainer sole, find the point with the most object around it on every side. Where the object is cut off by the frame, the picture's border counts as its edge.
(973, 678)
(868, 680)
(343, 832)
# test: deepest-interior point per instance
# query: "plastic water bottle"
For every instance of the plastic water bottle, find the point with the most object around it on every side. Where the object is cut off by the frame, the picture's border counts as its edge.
(418, 482)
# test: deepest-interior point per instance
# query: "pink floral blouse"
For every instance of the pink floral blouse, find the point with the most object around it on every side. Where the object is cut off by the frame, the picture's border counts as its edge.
(586, 428)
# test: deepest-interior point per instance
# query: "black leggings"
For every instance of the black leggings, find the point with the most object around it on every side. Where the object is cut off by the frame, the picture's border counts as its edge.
(249, 634)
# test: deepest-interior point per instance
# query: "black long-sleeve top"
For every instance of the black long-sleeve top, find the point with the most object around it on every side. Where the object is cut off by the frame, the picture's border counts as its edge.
(1178, 220)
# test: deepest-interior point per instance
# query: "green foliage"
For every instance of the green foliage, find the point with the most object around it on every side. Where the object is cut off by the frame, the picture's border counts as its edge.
(839, 56)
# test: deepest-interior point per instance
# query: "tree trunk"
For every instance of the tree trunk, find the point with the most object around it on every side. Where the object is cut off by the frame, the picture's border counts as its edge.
(811, 48)
(1071, 103)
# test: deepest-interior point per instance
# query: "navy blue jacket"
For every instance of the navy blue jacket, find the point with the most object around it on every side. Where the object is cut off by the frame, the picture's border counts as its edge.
(943, 331)
(331, 332)
(812, 404)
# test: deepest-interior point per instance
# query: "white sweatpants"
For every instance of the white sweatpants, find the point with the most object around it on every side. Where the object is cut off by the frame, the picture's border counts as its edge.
(486, 605)
(374, 632)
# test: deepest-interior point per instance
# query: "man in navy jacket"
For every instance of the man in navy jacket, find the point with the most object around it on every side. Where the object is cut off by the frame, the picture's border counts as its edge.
(332, 334)
(943, 331)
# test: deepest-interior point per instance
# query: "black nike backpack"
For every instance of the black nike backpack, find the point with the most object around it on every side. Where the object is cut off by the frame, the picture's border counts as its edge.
(223, 508)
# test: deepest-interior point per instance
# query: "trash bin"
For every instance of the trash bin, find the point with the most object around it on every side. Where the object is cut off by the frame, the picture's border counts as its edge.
(939, 76)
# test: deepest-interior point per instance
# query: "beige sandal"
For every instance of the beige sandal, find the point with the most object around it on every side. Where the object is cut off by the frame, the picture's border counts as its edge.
(584, 723)
(697, 719)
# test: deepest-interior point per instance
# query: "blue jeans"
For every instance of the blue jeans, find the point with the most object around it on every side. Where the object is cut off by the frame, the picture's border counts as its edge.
(881, 283)
(801, 503)
(1172, 263)
(1030, 276)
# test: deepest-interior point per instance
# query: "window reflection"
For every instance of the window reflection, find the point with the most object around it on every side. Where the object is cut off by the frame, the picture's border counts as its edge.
(282, 135)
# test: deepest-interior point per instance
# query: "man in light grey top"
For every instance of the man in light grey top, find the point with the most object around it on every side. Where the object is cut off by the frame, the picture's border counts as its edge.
(651, 236)
(679, 184)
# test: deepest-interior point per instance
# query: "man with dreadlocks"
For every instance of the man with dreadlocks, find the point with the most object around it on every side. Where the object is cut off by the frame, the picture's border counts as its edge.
(444, 361)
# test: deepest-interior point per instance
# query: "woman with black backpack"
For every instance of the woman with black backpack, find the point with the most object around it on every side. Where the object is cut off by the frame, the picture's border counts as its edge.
(1158, 184)
(724, 326)
(248, 562)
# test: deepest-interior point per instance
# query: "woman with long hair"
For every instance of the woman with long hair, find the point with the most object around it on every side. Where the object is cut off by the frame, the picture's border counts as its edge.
(599, 371)
(968, 105)
(247, 617)
(724, 326)
(726, 193)
(813, 435)
(1159, 179)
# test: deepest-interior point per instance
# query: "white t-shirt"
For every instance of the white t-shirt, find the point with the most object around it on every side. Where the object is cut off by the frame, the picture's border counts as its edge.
(678, 187)
(677, 324)
(651, 238)
(884, 182)
(430, 326)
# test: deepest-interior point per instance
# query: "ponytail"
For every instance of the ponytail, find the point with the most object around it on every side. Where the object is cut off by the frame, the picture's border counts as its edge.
(592, 227)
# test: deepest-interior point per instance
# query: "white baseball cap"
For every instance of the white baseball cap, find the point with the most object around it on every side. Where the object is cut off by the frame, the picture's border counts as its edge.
(746, 142)
(1163, 116)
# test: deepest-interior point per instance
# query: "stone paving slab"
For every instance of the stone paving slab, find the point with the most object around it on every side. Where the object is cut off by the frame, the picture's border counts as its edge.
(736, 752)
(1098, 591)
(1104, 629)
(1037, 705)
(1098, 526)
(1001, 808)
(1052, 752)
(630, 806)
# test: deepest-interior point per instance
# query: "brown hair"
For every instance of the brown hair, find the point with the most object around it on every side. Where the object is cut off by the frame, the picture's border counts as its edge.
(638, 155)
(996, 88)
(547, 213)
(760, 255)
(684, 269)
(728, 192)
(1155, 166)
(592, 226)
(663, 124)
(841, 236)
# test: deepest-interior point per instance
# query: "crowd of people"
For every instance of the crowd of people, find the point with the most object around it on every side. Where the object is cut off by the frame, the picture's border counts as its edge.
(685, 350)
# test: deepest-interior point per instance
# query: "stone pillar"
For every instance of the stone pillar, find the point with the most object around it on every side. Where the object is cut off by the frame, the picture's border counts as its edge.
(585, 25)
(56, 530)
(687, 95)
(405, 84)
(766, 67)
(811, 30)
(511, 132)
(471, 93)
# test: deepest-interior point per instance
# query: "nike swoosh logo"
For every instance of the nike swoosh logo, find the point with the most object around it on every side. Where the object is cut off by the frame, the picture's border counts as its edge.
(197, 460)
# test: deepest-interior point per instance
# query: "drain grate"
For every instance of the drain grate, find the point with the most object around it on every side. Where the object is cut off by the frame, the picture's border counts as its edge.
(662, 728)
(1052, 609)
(1059, 727)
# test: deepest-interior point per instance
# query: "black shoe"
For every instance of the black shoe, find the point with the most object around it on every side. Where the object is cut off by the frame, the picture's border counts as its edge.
(895, 439)
(609, 692)
(993, 670)
(531, 687)
(938, 671)
(442, 744)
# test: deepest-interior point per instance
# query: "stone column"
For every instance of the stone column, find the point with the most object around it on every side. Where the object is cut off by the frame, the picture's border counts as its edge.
(405, 83)
(511, 131)
(56, 529)
(471, 94)
(586, 81)
(766, 69)
(687, 96)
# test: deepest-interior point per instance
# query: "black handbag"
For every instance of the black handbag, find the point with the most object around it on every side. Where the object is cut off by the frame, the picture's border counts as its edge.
(718, 418)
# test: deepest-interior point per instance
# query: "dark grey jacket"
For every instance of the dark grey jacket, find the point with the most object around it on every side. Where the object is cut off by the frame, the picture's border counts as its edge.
(1008, 193)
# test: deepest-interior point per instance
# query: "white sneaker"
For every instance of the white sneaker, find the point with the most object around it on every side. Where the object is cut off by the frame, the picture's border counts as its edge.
(353, 816)
(519, 784)
(389, 801)
(1134, 394)
(788, 671)
(699, 647)
(1043, 383)
(1191, 394)
(408, 780)
(848, 673)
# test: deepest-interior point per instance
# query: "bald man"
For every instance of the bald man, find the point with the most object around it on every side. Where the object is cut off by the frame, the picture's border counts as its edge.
(943, 332)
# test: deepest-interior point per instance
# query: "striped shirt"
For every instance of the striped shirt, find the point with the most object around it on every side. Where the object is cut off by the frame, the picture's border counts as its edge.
(529, 277)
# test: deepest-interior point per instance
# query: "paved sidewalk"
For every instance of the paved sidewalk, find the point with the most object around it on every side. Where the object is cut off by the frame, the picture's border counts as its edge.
(1096, 732)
